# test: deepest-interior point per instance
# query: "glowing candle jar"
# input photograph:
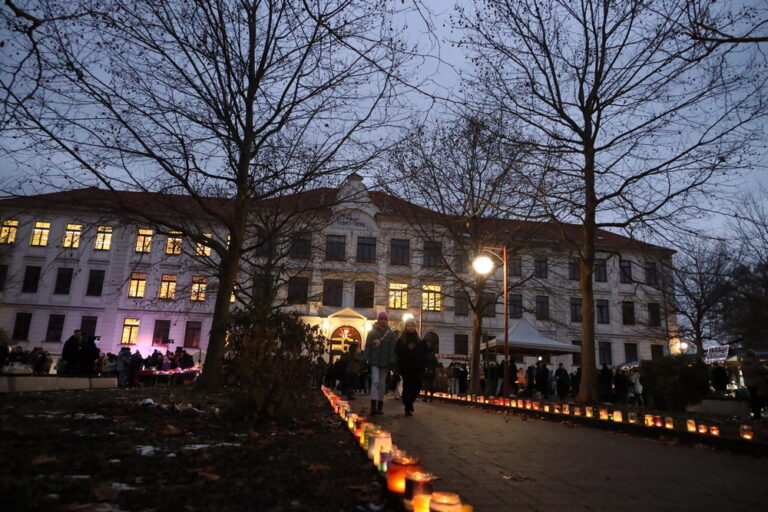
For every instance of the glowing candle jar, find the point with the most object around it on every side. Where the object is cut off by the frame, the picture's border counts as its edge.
(648, 420)
(658, 421)
(384, 458)
(557, 408)
(421, 503)
(417, 483)
(398, 468)
(380, 441)
(603, 414)
(445, 502)
(366, 432)
(715, 431)
(617, 416)
(528, 404)
(577, 411)
(702, 428)
(359, 422)
(546, 408)
(669, 422)
(746, 432)
(589, 412)
(566, 409)
(351, 419)
(690, 425)
(632, 417)
(536, 406)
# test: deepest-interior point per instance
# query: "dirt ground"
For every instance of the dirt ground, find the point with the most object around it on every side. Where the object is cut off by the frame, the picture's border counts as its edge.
(174, 449)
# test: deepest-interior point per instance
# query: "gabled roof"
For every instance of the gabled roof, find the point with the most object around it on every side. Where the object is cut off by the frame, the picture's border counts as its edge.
(136, 203)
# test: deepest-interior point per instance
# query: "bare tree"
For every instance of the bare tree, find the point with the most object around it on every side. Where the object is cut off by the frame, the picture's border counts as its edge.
(714, 23)
(630, 120)
(701, 282)
(225, 103)
(455, 173)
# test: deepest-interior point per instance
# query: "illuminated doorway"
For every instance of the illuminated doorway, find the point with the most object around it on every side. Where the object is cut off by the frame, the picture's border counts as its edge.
(340, 340)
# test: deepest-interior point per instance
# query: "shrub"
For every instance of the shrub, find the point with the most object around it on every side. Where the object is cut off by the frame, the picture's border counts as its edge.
(673, 382)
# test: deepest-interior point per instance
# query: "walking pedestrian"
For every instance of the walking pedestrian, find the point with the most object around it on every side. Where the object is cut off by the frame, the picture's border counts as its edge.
(561, 376)
(354, 363)
(411, 361)
(380, 354)
(756, 380)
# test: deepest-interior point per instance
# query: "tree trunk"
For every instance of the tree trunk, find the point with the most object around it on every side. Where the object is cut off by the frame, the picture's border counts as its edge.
(588, 386)
(477, 332)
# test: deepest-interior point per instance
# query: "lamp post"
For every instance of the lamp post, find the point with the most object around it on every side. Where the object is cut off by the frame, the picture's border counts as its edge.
(484, 265)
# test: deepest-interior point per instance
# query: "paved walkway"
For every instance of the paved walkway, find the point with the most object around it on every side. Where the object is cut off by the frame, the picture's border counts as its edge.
(501, 462)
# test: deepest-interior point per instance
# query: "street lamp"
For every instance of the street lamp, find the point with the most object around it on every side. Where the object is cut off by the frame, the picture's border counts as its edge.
(484, 265)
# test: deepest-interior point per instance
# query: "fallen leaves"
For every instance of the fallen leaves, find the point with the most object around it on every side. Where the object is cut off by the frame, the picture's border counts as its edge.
(210, 477)
(170, 430)
(43, 459)
(318, 467)
(517, 477)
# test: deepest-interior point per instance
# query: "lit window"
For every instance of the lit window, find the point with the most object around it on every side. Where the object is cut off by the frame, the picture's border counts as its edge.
(72, 235)
(40, 234)
(167, 287)
(431, 298)
(8, 231)
(137, 284)
(173, 243)
(203, 249)
(103, 238)
(130, 331)
(198, 288)
(143, 240)
(398, 296)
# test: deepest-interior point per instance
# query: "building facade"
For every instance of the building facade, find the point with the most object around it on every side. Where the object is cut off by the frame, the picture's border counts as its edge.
(66, 268)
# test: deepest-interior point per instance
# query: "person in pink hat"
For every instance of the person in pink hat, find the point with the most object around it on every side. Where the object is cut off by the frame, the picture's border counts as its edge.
(380, 354)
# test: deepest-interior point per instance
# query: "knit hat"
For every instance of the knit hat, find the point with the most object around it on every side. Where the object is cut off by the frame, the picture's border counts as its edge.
(383, 316)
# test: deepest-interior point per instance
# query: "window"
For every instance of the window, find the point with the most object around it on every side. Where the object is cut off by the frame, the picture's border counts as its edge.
(144, 240)
(461, 344)
(103, 238)
(301, 246)
(630, 352)
(604, 353)
(576, 357)
(628, 313)
(162, 332)
(21, 326)
(461, 305)
(3, 276)
(603, 313)
(137, 284)
(432, 254)
(542, 307)
(192, 334)
(167, 287)
(431, 298)
(40, 234)
(400, 252)
(657, 351)
(8, 231)
(298, 290)
(72, 236)
(651, 273)
(654, 314)
(31, 279)
(366, 249)
(515, 305)
(204, 248)
(55, 328)
(573, 269)
(488, 305)
(88, 325)
(398, 296)
(515, 267)
(576, 309)
(172, 243)
(63, 281)
(95, 283)
(363, 294)
(540, 268)
(335, 247)
(130, 331)
(199, 284)
(333, 292)
(625, 272)
(601, 271)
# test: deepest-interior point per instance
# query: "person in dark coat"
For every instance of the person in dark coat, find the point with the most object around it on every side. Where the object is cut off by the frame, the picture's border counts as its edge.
(542, 379)
(353, 363)
(430, 374)
(89, 353)
(561, 377)
(411, 361)
(605, 378)
(530, 380)
(720, 378)
(70, 353)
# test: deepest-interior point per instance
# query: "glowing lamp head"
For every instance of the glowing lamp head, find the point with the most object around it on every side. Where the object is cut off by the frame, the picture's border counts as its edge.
(683, 346)
(407, 317)
(483, 265)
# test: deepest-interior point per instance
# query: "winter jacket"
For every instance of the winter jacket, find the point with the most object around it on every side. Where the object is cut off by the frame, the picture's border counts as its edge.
(755, 375)
(382, 356)
(411, 360)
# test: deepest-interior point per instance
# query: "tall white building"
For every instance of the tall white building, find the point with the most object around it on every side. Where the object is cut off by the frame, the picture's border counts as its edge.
(65, 265)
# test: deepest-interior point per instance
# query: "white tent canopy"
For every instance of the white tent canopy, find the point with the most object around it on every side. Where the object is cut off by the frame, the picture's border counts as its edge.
(524, 339)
